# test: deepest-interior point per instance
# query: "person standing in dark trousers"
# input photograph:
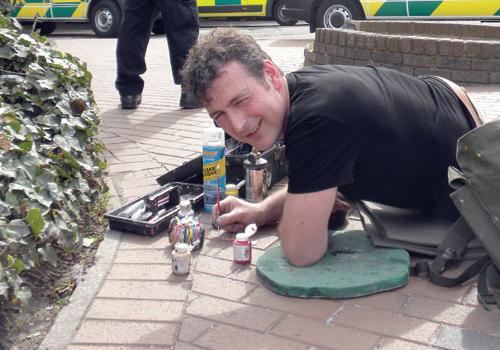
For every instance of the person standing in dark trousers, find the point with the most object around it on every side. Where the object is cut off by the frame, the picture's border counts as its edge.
(180, 18)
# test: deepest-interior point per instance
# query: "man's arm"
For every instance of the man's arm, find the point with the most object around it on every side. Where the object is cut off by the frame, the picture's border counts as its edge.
(304, 225)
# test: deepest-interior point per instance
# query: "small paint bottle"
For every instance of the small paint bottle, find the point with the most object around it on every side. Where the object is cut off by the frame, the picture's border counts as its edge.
(242, 249)
(181, 259)
(232, 190)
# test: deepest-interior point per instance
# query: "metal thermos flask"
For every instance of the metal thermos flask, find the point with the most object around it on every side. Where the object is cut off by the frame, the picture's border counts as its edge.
(255, 177)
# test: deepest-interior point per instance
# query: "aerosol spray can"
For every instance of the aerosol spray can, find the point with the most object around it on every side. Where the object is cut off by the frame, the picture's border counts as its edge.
(255, 177)
(214, 166)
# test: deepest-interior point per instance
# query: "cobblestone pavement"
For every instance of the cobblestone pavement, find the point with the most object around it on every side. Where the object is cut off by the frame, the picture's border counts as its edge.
(137, 304)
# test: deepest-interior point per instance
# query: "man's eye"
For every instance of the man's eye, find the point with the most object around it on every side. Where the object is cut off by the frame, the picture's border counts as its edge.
(218, 118)
(242, 101)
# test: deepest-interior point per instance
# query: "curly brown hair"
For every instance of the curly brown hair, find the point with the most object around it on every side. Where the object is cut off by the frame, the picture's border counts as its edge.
(215, 49)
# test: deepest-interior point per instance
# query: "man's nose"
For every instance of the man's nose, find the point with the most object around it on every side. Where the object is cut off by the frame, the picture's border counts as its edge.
(239, 122)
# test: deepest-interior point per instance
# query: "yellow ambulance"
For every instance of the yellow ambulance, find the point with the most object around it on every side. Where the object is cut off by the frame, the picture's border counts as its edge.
(334, 13)
(105, 16)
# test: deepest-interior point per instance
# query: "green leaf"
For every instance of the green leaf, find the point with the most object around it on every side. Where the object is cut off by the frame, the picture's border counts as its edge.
(6, 52)
(11, 119)
(44, 177)
(55, 191)
(26, 40)
(10, 260)
(102, 165)
(26, 145)
(36, 222)
(4, 210)
(24, 295)
(67, 144)
(18, 265)
(18, 228)
(4, 288)
(45, 84)
(14, 197)
(35, 69)
(49, 254)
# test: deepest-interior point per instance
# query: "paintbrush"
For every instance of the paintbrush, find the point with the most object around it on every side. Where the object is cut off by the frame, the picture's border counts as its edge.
(218, 196)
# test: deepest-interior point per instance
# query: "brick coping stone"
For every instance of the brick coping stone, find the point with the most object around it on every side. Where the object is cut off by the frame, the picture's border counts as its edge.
(433, 29)
(461, 52)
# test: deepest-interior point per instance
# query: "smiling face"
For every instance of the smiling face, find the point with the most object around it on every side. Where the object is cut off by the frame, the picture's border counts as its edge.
(252, 111)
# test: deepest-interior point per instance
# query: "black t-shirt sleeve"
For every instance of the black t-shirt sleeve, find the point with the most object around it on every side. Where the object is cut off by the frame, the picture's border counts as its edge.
(321, 153)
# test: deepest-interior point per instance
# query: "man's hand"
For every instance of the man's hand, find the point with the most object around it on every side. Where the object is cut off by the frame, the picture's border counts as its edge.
(235, 214)
(341, 204)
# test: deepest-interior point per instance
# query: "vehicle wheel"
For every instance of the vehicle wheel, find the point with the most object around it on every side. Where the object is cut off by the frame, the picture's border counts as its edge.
(334, 13)
(158, 27)
(105, 19)
(279, 16)
(46, 28)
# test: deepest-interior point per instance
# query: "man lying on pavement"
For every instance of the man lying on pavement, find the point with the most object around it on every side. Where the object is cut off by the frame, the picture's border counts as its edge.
(372, 133)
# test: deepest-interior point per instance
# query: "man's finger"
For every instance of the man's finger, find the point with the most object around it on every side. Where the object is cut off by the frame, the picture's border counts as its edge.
(235, 227)
(340, 205)
(234, 216)
(225, 207)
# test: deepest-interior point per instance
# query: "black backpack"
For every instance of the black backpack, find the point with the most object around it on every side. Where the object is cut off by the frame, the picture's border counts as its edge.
(477, 197)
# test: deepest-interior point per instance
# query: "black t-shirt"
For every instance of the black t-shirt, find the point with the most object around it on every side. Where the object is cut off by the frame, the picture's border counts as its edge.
(375, 133)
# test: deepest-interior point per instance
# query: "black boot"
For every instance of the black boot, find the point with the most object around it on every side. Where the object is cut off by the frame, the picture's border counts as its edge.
(130, 101)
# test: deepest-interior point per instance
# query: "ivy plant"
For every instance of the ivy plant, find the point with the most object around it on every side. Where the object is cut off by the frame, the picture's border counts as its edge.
(50, 156)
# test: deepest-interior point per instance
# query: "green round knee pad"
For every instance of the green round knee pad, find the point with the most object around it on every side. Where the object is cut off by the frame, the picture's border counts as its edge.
(352, 267)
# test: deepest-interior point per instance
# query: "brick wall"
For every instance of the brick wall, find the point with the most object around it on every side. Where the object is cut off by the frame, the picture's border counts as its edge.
(409, 47)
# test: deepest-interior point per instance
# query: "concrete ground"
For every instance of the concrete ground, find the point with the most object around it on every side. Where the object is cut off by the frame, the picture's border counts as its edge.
(130, 299)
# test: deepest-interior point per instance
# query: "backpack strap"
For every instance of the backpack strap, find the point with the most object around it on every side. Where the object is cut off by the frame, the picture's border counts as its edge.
(450, 251)
(489, 277)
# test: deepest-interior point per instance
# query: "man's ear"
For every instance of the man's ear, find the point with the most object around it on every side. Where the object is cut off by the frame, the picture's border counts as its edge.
(272, 74)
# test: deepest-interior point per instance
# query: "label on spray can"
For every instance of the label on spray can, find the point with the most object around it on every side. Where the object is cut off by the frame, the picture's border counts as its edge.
(214, 167)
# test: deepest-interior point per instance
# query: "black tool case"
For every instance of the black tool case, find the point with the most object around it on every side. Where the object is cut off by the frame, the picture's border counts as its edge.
(173, 193)
(186, 182)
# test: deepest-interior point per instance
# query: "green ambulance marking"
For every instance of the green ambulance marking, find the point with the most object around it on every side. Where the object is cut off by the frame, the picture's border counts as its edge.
(15, 12)
(498, 13)
(63, 11)
(392, 8)
(423, 8)
(227, 2)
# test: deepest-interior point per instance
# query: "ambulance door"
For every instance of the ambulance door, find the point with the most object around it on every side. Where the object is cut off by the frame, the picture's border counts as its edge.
(454, 8)
(69, 9)
(387, 8)
(29, 9)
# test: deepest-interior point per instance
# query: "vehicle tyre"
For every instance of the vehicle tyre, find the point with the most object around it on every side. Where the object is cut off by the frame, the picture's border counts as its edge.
(279, 16)
(158, 27)
(105, 19)
(46, 28)
(334, 13)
